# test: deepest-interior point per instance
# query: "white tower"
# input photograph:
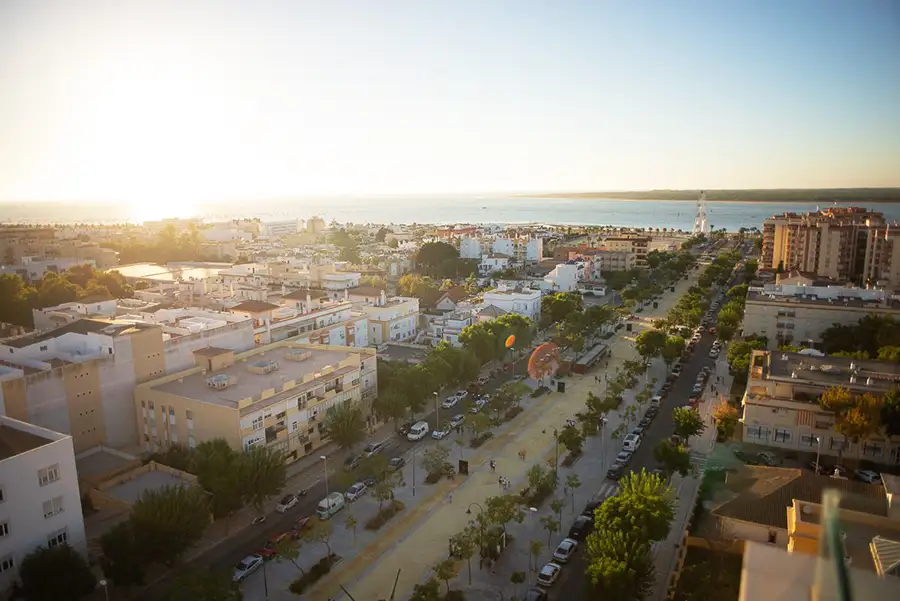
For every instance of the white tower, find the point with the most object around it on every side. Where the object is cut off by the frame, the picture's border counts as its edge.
(701, 225)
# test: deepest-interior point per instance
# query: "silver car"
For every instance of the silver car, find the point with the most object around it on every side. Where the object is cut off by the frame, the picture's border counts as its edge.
(246, 566)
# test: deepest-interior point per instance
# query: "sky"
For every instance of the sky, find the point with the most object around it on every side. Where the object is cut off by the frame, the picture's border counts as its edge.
(168, 102)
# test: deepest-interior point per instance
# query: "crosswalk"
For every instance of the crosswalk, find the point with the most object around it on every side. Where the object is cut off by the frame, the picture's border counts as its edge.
(698, 460)
(609, 489)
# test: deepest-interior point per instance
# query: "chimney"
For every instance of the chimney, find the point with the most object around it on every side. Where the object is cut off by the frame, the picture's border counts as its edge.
(383, 298)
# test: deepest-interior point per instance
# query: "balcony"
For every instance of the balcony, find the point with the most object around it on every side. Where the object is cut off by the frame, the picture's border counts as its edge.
(276, 433)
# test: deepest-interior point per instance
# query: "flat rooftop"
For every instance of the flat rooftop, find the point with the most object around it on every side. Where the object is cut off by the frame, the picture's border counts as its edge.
(18, 437)
(107, 327)
(834, 371)
(99, 464)
(247, 384)
(836, 303)
(131, 491)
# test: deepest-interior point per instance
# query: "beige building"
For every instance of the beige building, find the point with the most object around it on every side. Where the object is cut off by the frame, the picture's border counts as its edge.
(781, 409)
(79, 379)
(391, 318)
(847, 244)
(608, 260)
(798, 313)
(274, 395)
(638, 246)
(19, 241)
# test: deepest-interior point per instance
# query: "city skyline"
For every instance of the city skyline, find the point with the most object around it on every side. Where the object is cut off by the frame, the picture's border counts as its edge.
(160, 102)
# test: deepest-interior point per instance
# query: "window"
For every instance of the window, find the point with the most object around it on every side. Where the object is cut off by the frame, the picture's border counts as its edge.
(808, 440)
(48, 474)
(189, 414)
(53, 507)
(2, 497)
(782, 435)
(257, 423)
(4, 529)
(355, 382)
(773, 537)
(7, 563)
(873, 449)
(172, 411)
(757, 433)
(57, 538)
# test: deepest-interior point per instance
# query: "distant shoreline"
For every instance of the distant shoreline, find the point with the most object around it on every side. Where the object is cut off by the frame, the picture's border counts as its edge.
(823, 196)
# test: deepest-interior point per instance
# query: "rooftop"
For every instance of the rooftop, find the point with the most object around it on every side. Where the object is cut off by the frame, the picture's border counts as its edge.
(831, 371)
(106, 327)
(302, 293)
(763, 494)
(491, 311)
(244, 383)
(18, 437)
(164, 273)
(838, 303)
(366, 291)
(254, 306)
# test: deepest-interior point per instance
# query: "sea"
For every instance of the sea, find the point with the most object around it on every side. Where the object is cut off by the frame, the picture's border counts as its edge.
(673, 214)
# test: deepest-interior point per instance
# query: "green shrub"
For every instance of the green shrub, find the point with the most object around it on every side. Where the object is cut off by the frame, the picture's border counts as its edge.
(481, 439)
(513, 412)
(433, 477)
(385, 515)
(312, 575)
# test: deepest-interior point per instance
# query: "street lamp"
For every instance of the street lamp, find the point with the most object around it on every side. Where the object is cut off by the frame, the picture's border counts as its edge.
(533, 511)
(437, 416)
(325, 459)
(556, 465)
(103, 583)
(480, 531)
(818, 451)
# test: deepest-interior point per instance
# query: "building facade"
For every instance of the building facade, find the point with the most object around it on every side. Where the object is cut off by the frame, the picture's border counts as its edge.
(798, 315)
(523, 302)
(40, 503)
(276, 395)
(394, 319)
(781, 408)
(638, 246)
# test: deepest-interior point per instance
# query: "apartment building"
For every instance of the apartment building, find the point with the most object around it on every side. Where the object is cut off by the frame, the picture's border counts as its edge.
(448, 327)
(495, 262)
(638, 246)
(781, 409)
(521, 301)
(18, 242)
(470, 248)
(275, 229)
(798, 313)
(607, 260)
(392, 319)
(275, 395)
(40, 503)
(79, 379)
(33, 269)
(849, 244)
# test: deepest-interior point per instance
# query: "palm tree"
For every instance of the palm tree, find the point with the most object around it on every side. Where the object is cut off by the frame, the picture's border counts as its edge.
(345, 425)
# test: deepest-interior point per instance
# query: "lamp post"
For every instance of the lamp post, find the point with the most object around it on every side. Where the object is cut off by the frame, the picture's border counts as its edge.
(556, 465)
(480, 531)
(533, 511)
(103, 583)
(414, 471)
(437, 416)
(325, 459)
(818, 451)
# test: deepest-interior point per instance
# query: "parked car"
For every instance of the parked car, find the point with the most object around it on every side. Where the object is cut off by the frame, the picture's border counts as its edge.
(638, 430)
(396, 463)
(547, 576)
(286, 503)
(457, 419)
(372, 448)
(714, 353)
(868, 476)
(462, 394)
(450, 402)
(590, 508)
(352, 462)
(645, 422)
(631, 442)
(482, 380)
(270, 549)
(441, 433)
(624, 457)
(655, 401)
(564, 550)
(303, 524)
(615, 472)
(246, 566)
(581, 527)
(766, 458)
(404, 428)
(479, 405)
(356, 491)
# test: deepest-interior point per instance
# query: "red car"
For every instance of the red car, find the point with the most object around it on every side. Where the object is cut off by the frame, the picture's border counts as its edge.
(303, 524)
(270, 550)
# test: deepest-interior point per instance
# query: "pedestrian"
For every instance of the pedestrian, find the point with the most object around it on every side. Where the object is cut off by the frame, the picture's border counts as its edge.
(493, 465)
(450, 497)
(500, 482)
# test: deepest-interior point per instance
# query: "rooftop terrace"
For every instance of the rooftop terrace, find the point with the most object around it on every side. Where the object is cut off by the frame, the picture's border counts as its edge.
(831, 371)
(18, 437)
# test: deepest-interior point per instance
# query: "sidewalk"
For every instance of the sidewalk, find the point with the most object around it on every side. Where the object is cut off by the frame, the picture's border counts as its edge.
(425, 531)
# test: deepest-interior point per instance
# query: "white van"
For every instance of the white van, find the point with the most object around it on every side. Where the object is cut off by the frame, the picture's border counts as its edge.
(418, 431)
(330, 505)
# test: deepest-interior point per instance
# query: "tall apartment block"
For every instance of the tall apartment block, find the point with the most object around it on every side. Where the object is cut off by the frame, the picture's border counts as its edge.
(846, 244)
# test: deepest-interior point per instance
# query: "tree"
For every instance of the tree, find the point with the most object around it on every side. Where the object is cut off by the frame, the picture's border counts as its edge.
(16, 300)
(650, 343)
(123, 560)
(688, 422)
(673, 457)
(727, 417)
(289, 548)
(264, 475)
(221, 471)
(445, 570)
(573, 483)
(534, 549)
(421, 287)
(571, 438)
(345, 424)
(384, 489)
(483, 340)
(502, 510)
(170, 520)
(381, 234)
(556, 505)
(391, 405)
(517, 578)
(205, 585)
(430, 590)
(672, 350)
(433, 459)
(611, 577)
(56, 573)
(555, 307)
(433, 256)
(321, 533)
(55, 289)
(890, 412)
(465, 543)
(551, 525)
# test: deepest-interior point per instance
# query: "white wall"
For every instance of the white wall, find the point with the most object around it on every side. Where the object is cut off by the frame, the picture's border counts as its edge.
(23, 506)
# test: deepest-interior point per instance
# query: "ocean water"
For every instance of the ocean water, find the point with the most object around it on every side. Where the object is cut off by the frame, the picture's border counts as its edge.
(435, 209)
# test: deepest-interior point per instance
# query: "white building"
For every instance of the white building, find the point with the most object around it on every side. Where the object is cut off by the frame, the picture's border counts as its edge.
(492, 263)
(534, 250)
(448, 327)
(470, 248)
(799, 314)
(565, 277)
(392, 319)
(275, 229)
(523, 302)
(32, 269)
(504, 246)
(40, 504)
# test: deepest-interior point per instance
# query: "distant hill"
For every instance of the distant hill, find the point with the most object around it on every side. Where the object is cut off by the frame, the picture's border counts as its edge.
(822, 196)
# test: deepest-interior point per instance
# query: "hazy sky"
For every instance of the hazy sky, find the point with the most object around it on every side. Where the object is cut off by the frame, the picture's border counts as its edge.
(171, 101)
